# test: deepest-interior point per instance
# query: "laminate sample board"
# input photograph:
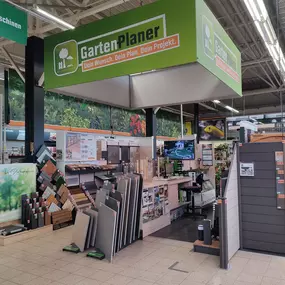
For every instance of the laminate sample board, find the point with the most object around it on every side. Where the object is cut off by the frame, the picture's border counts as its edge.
(90, 229)
(100, 198)
(122, 187)
(114, 205)
(80, 230)
(106, 231)
(118, 196)
(138, 203)
(94, 214)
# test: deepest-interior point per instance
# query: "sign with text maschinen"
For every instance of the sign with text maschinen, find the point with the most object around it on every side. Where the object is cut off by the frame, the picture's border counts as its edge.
(155, 36)
(13, 23)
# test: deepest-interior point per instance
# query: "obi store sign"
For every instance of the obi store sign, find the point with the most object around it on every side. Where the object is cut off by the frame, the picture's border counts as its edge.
(128, 43)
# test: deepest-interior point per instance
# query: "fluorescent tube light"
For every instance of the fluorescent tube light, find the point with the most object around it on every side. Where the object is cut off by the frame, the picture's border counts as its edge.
(231, 109)
(54, 18)
(259, 14)
(216, 101)
(1, 78)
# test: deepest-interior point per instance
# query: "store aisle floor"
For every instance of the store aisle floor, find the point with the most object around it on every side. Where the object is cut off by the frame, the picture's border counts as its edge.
(183, 229)
(41, 261)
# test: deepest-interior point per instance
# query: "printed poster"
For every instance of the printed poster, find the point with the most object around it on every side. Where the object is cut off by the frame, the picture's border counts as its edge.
(15, 181)
(247, 169)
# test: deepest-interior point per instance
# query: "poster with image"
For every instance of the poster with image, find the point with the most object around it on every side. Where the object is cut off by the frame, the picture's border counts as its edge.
(246, 169)
(207, 154)
(15, 180)
(73, 147)
(212, 130)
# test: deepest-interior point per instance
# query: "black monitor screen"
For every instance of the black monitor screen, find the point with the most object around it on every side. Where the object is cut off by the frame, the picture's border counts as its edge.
(184, 150)
(125, 154)
(113, 154)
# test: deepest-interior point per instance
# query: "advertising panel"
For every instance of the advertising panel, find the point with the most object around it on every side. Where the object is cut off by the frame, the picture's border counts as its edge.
(212, 130)
(215, 50)
(154, 36)
(15, 180)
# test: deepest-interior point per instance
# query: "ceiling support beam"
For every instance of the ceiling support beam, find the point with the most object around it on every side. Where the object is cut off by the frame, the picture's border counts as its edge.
(84, 14)
(13, 63)
(262, 91)
(256, 61)
(208, 107)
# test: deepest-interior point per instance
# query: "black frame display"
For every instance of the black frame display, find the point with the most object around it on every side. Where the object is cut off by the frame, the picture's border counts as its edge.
(212, 130)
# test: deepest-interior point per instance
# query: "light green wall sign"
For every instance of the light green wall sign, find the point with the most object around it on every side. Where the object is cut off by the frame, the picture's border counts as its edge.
(13, 23)
(164, 34)
(154, 36)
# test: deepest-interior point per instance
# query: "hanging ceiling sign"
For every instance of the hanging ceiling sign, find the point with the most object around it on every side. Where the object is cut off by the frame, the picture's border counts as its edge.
(13, 23)
(154, 36)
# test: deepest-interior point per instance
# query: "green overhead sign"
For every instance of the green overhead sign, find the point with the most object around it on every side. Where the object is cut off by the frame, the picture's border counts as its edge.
(215, 50)
(163, 34)
(13, 23)
(154, 36)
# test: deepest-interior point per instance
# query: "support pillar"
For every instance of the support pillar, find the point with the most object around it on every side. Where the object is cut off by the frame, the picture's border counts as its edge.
(151, 127)
(34, 98)
(196, 129)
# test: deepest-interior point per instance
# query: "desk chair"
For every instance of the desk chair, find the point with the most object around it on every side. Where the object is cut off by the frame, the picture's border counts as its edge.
(191, 190)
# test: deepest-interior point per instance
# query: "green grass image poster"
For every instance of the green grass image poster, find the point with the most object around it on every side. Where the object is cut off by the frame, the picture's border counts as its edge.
(15, 180)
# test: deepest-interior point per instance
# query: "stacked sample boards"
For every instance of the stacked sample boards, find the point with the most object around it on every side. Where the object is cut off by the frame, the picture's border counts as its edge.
(50, 204)
(114, 221)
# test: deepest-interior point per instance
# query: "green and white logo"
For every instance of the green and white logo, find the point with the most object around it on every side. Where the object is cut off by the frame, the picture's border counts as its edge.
(65, 58)
(208, 38)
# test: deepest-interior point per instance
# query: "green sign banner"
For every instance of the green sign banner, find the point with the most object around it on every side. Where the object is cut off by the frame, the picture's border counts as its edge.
(215, 49)
(13, 23)
(155, 36)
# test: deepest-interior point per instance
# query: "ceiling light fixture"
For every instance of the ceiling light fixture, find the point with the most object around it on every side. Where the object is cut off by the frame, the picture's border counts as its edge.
(216, 101)
(54, 18)
(259, 14)
(231, 109)
(1, 78)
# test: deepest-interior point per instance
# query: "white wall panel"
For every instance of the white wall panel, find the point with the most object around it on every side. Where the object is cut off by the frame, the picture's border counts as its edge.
(232, 196)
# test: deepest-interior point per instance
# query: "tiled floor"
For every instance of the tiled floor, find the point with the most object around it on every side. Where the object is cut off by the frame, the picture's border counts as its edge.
(40, 261)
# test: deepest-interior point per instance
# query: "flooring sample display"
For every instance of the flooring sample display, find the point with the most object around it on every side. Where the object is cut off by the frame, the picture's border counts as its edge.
(118, 196)
(53, 208)
(68, 205)
(122, 187)
(114, 205)
(61, 217)
(106, 231)
(94, 215)
(135, 231)
(80, 230)
(132, 207)
(41, 221)
(100, 198)
(90, 229)
(48, 192)
(49, 168)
